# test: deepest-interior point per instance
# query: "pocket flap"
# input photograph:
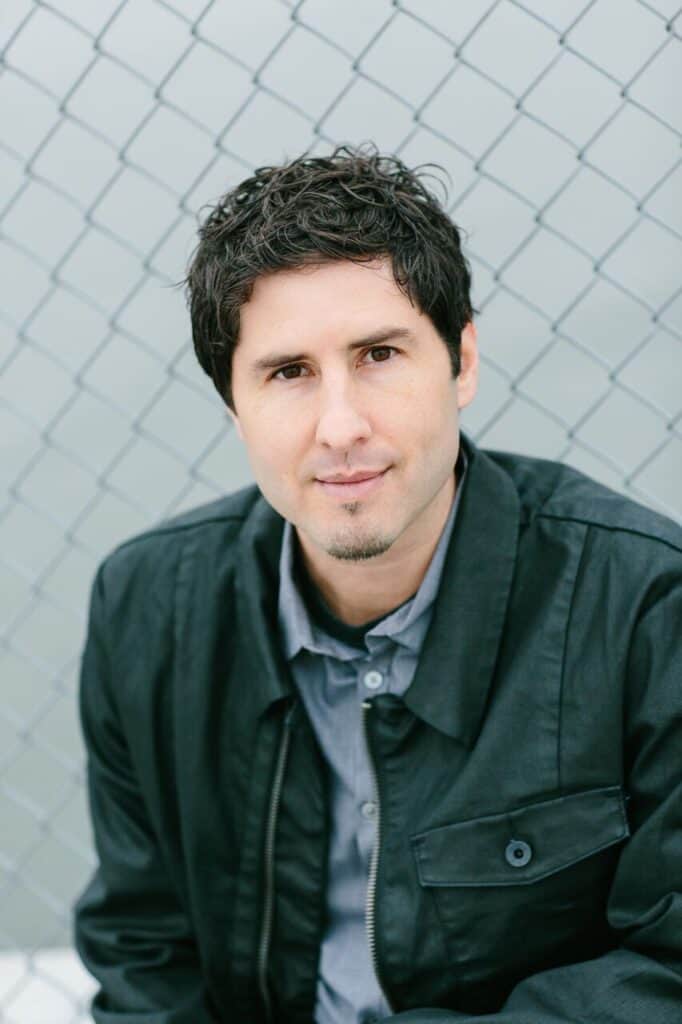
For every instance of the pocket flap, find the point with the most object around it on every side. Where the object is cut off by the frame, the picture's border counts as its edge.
(523, 845)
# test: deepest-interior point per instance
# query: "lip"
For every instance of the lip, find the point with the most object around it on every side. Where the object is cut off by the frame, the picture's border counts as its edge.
(356, 488)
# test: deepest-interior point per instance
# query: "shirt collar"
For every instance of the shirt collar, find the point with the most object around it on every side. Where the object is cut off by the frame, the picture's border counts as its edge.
(403, 626)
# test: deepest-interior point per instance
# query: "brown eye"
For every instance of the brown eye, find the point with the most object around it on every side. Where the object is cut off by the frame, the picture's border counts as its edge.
(284, 370)
(293, 370)
(386, 349)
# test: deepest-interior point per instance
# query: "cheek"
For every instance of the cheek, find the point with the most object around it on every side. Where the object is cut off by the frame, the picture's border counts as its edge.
(431, 387)
(273, 446)
(427, 412)
(274, 458)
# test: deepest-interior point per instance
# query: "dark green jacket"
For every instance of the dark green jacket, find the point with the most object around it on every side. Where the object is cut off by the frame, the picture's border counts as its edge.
(530, 781)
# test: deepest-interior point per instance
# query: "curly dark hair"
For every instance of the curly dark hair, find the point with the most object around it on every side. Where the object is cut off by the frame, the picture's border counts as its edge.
(355, 204)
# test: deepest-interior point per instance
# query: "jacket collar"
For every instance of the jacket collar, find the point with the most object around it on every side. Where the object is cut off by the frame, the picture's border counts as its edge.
(455, 669)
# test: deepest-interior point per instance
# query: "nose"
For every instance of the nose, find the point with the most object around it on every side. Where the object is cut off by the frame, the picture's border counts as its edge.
(341, 422)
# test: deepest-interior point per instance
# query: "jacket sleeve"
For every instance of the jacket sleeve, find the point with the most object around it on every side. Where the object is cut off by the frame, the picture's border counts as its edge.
(130, 929)
(640, 982)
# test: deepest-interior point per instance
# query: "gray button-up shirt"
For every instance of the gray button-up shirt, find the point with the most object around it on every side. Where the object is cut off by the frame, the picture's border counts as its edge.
(334, 674)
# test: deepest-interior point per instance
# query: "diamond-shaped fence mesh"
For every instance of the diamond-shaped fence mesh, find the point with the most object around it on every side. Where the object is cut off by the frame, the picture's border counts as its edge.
(559, 125)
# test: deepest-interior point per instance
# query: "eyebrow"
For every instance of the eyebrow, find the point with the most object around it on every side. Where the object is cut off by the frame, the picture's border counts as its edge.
(272, 362)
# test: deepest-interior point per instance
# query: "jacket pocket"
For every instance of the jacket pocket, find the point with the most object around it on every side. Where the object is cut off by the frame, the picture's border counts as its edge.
(528, 887)
(524, 845)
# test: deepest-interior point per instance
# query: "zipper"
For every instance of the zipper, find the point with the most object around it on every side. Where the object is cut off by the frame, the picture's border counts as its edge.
(269, 863)
(370, 904)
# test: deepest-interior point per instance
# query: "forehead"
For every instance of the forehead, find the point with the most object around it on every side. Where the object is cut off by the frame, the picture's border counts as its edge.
(329, 300)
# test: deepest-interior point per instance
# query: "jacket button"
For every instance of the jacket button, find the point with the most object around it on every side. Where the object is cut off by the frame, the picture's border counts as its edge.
(517, 853)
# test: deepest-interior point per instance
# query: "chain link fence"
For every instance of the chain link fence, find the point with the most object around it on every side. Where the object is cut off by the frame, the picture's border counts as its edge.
(559, 124)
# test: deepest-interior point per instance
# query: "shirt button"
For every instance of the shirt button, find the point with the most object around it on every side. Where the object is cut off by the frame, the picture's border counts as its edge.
(369, 809)
(373, 679)
(518, 853)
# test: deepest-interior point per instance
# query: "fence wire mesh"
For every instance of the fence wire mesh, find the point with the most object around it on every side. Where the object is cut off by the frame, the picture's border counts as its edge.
(559, 125)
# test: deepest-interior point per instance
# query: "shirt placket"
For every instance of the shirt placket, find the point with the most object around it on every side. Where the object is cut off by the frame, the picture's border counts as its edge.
(371, 680)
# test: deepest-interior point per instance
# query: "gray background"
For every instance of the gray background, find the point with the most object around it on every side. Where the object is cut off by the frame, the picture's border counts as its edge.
(559, 124)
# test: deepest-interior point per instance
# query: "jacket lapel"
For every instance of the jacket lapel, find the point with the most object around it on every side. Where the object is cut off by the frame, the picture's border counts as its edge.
(457, 662)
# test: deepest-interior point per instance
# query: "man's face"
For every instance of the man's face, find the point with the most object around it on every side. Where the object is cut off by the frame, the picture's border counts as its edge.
(360, 382)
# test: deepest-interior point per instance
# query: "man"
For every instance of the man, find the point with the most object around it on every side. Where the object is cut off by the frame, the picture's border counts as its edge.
(394, 734)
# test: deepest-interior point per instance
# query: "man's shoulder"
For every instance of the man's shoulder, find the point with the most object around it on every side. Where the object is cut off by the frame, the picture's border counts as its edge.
(553, 490)
(156, 550)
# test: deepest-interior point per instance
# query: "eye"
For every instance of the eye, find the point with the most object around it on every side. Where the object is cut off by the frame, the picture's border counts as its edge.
(381, 348)
(283, 369)
(283, 372)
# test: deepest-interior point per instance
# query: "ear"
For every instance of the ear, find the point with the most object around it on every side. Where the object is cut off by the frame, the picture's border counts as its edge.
(467, 381)
(235, 420)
